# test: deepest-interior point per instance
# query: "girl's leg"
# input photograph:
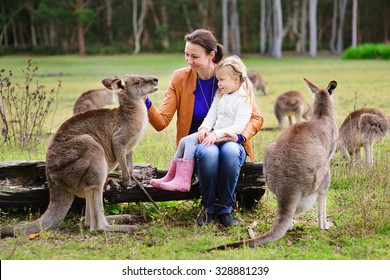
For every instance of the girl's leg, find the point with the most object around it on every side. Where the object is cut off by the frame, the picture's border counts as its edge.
(185, 165)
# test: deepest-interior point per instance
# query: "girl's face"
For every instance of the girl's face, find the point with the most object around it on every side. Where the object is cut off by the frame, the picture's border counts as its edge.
(226, 82)
(197, 58)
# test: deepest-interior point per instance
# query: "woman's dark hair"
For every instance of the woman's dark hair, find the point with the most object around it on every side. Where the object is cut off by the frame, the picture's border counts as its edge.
(206, 39)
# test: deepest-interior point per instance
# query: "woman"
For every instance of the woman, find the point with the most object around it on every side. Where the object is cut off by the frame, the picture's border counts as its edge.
(190, 93)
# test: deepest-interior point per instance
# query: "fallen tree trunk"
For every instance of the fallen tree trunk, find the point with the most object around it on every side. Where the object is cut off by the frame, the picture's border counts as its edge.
(23, 184)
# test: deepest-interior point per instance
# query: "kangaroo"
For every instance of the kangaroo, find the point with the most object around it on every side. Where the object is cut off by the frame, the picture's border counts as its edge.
(362, 128)
(85, 149)
(296, 167)
(94, 99)
(257, 81)
(291, 103)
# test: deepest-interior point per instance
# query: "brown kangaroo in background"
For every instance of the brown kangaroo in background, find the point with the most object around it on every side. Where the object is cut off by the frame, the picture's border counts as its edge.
(296, 167)
(85, 149)
(257, 81)
(94, 99)
(289, 104)
(362, 128)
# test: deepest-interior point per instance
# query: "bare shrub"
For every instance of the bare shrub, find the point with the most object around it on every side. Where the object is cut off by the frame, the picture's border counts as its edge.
(24, 107)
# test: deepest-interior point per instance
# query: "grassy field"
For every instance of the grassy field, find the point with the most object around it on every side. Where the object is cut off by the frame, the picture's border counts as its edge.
(358, 200)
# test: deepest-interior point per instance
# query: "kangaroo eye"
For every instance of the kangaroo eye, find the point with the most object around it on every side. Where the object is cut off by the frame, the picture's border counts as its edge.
(137, 81)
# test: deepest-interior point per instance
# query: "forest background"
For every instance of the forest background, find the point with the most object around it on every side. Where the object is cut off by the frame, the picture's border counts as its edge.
(268, 27)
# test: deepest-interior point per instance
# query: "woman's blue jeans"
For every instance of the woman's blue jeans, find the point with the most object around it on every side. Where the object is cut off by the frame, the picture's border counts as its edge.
(218, 167)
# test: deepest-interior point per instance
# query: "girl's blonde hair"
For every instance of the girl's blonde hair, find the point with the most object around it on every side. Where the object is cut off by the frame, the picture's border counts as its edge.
(236, 67)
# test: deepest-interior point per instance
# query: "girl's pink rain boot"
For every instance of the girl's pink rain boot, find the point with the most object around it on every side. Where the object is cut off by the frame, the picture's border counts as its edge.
(182, 180)
(168, 177)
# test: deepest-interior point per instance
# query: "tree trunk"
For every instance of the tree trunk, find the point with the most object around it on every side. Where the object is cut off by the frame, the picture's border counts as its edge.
(278, 29)
(313, 27)
(269, 26)
(354, 23)
(263, 35)
(340, 35)
(187, 18)
(108, 4)
(225, 25)
(303, 33)
(235, 29)
(80, 30)
(165, 21)
(334, 27)
(138, 24)
(386, 16)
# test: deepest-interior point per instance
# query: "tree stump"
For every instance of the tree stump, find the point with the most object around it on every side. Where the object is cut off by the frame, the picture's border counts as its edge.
(23, 184)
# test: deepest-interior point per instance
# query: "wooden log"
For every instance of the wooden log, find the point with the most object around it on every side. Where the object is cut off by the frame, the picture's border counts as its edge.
(23, 184)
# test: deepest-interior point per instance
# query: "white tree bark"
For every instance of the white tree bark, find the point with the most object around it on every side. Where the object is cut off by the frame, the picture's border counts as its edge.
(278, 29)
(225, 25)
(235, 29)
(313, 27)
(340, 37)
(263, 36)
(303, 35)
(334, 27)
(138, 25)
(354, 22)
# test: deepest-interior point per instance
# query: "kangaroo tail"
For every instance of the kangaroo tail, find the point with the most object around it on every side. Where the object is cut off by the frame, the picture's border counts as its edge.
(279, 228)
(51, 219)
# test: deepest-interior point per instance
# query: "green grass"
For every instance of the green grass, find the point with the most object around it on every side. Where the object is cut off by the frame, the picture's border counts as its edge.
(358, 200)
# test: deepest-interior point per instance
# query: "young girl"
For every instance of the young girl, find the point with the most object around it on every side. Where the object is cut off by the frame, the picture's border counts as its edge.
(229, 113)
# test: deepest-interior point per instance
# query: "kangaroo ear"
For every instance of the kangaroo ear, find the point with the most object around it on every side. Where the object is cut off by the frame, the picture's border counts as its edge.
(332, 85)
(113, 83)
(313, 87)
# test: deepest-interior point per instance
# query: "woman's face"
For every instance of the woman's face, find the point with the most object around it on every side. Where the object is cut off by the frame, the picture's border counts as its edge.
(196, 57)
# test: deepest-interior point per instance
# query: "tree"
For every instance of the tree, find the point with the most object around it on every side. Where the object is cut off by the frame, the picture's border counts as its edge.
(340, 34)
(301, 46)
(235, 29)
(138, 24)
(313, 27)
(354, 22)
(225, 25)
(263, 35)
(334, 27)
(278, 29)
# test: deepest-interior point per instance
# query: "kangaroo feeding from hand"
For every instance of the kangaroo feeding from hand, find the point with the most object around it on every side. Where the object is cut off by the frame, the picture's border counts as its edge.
(85, 149)
(296, 167)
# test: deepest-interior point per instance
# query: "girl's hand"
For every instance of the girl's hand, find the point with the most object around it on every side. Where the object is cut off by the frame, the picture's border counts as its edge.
(210, 139)
(232, 137)
(202, 134)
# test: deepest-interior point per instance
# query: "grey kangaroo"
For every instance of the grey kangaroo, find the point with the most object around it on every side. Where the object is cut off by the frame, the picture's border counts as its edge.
(94, 99)
(85, 149)
(362, 128)
(257, 81)
(296, 167)
(291, 104)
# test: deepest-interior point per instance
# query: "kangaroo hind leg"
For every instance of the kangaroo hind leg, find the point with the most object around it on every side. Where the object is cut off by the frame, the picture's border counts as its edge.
(96, 217)
(323, 181)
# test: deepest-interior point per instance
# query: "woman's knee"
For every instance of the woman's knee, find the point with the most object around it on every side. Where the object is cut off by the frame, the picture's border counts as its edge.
(231, 150)
(208, 153)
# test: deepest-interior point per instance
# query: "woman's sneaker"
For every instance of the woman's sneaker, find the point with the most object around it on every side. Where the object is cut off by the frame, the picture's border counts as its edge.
(227, 220)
